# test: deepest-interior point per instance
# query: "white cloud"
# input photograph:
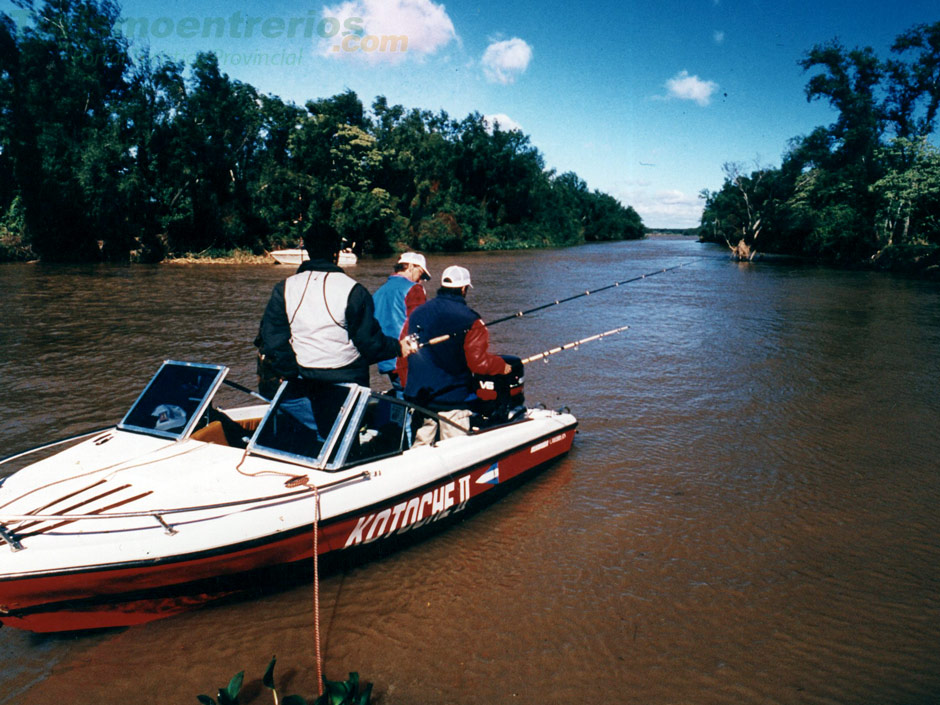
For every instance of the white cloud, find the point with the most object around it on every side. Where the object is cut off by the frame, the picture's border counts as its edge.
(668, 208)
(506, 123)
(504, 61)
(718, 36)
(386, 30)
(686, 87)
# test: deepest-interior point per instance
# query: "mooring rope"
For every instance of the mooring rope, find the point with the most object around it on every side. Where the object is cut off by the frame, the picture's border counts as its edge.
(316, 587)
(304, 481)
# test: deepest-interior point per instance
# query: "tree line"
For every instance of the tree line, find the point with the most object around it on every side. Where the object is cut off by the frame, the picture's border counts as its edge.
(865, 187)
(109, 156)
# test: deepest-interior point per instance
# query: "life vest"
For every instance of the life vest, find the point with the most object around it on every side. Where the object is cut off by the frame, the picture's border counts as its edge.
(315, 303)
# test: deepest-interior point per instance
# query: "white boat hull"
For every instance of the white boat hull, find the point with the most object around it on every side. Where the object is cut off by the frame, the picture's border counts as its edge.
(125, 528)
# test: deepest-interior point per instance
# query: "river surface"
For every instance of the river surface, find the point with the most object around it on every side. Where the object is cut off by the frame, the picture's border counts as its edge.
(750, 513)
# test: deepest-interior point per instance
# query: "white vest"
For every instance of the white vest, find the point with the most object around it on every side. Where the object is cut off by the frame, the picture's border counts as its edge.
(315, 303)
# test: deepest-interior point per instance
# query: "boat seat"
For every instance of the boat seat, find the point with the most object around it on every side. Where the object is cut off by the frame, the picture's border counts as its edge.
(211, 433)
(249, 424)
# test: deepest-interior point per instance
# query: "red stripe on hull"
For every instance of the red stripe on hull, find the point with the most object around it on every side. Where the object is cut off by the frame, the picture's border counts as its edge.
(117, 596)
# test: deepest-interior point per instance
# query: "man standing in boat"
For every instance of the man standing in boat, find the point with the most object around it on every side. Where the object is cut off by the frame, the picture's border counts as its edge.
(319, 324)
(440, 374)
(394, 301)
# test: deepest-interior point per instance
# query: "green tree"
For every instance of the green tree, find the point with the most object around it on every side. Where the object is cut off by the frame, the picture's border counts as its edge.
(64, 77)
(218, 134)
(280, 196)
(909, 194)
(913, 94)
(117, 158)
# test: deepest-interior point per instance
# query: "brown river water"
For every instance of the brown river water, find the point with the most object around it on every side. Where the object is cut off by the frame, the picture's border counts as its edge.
(749, 513)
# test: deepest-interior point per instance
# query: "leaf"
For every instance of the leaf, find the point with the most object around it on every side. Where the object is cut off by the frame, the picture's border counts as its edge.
(268, 679)
(363, 697)
(235, 685)
(205, 700)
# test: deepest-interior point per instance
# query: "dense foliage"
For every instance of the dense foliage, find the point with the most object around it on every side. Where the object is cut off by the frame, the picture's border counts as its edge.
(867, 185)
(107, 156)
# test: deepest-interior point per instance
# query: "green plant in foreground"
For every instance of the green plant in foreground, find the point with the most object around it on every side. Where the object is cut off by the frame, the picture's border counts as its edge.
(227, 695)
(334, 692)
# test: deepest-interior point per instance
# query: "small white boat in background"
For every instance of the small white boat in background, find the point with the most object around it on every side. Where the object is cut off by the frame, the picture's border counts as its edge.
(293, 256)
(347, 258)
(182, 503)
(296, 255)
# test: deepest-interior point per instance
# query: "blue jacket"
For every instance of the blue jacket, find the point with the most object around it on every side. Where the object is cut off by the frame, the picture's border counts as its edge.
(390, 310)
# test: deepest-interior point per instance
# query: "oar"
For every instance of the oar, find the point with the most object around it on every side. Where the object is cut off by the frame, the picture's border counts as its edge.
(568, 346)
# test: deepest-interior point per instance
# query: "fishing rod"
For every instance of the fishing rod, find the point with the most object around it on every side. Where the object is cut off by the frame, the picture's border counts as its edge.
(568, 346)
(520, 314)
(246, 390)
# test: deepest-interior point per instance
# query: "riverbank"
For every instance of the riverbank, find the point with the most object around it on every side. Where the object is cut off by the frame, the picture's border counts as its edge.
(918, 260)
(229, 257)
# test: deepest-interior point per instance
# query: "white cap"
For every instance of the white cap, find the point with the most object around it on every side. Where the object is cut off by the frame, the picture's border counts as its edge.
(417, 260)
(456, 277)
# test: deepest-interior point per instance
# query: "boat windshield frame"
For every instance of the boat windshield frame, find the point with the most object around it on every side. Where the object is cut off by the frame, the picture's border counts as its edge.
(198, 404)
(257, 445)
(364, 429)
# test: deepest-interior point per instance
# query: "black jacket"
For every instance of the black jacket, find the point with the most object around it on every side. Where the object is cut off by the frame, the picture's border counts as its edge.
(364, 331)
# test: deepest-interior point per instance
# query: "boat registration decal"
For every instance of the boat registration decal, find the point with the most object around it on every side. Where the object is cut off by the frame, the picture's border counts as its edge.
(491, 476)
(545, 444)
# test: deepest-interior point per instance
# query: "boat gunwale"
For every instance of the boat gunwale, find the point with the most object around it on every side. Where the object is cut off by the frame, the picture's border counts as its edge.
(291, 532)
(362, 475)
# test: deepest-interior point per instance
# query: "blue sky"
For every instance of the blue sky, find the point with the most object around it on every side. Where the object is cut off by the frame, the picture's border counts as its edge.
(643, 100)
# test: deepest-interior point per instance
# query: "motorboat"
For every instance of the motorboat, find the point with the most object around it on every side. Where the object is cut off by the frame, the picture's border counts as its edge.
(183, 501)
(296, 255)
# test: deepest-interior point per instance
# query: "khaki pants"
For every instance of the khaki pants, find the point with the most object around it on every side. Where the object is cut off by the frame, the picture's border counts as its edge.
(428, 431)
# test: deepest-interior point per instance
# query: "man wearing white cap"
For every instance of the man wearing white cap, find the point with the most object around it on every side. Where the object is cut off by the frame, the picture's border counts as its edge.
(394, 301)
(440, 375)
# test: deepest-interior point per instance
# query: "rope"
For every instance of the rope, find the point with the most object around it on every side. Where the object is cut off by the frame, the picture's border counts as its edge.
(316, 588)
(298, 481)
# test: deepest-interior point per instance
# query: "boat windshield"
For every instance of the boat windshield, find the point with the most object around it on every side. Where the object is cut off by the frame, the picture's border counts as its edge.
(331, 426)
(303, 420)
(174, 400)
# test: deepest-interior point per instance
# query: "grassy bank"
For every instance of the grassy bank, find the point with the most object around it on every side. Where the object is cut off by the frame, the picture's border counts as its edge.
(221, 257)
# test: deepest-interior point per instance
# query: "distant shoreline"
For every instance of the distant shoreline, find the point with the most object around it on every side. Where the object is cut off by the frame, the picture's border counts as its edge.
(245, 257)
(236, 257)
